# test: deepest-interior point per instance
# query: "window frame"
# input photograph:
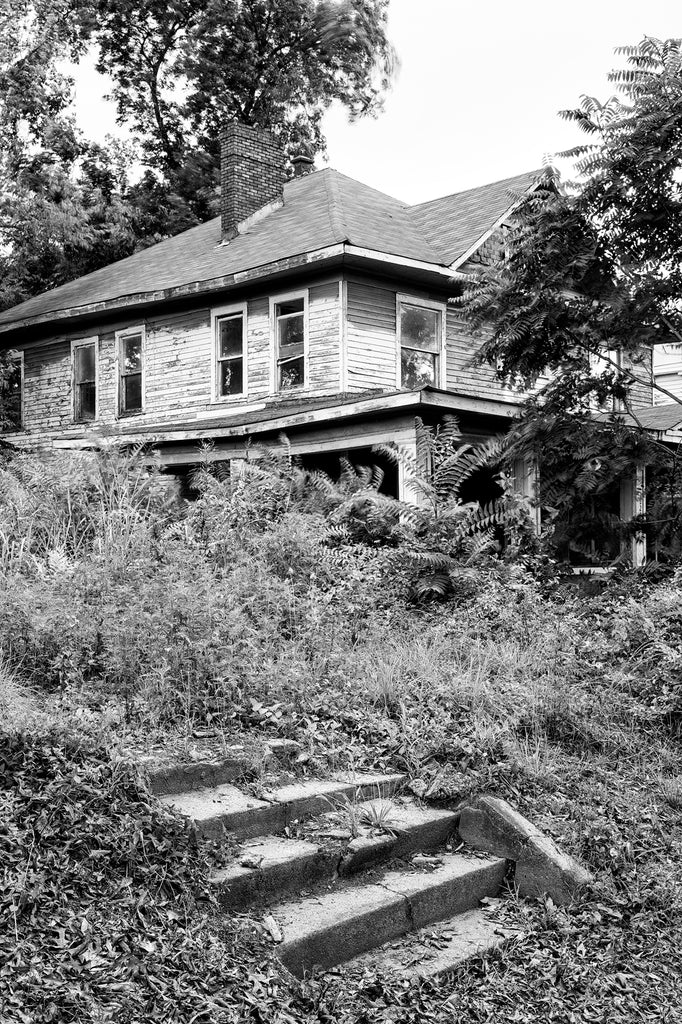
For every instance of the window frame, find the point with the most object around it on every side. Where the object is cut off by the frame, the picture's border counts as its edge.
(17, 355)
(602, 363)
(119, 338)
(223, 313)
(77, 343)
(275, 300)
(441, 355)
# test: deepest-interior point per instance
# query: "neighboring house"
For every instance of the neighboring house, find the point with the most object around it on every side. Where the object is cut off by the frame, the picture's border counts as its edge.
(315, 306)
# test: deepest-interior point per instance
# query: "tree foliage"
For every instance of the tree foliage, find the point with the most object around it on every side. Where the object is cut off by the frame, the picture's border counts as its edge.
(596, 265)
(180, 70)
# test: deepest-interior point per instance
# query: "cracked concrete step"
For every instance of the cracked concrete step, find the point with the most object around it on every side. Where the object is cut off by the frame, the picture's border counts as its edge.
(279, 865)
(434, 951)
(226, 807)
(237, 762)
(332, 929)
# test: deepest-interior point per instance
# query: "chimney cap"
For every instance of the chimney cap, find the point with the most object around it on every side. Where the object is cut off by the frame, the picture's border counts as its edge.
(302, 164)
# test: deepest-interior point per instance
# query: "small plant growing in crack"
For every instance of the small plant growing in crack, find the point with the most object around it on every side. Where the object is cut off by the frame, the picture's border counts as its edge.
(352, 814)
(378, 815)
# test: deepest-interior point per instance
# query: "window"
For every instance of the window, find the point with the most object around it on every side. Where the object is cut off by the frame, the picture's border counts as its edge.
(420, 339)
(611, 364)
(230, 361)
(84, 358)
(289, 323)
(130, 371)
(11, 391)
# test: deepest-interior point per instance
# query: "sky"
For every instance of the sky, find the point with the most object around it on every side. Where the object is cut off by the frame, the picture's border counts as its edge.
(478, 93)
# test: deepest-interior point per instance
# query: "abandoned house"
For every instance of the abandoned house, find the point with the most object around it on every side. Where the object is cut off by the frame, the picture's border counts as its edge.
(315, 306)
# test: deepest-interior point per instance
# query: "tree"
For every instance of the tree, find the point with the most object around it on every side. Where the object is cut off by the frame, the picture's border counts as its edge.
(181, 69)
(593, 276)
(63, 208)
(595, 266)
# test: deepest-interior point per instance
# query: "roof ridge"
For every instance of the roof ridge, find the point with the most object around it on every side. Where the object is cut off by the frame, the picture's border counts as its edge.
(337, 219)
(478, 188)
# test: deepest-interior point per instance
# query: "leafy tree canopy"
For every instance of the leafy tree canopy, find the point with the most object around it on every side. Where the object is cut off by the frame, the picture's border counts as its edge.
(596, 265)
(180, 70)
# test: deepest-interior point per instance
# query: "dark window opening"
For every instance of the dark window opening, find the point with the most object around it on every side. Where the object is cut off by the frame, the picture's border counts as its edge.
(231, 355)
(11, 383)
(290, 340)
(130, 385)
(85, 382)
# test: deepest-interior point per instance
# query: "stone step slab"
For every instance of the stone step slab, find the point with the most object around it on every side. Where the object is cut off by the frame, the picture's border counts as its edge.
(338, 926)
(238, 762)
(244, 816)
(433, 952)
(271, 866)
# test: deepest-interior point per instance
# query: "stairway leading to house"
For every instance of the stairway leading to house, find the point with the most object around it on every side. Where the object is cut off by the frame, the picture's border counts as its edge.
(349, 868)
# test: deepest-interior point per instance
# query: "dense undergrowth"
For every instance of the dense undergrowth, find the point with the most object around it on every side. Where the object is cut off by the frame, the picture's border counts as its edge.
(374, 635)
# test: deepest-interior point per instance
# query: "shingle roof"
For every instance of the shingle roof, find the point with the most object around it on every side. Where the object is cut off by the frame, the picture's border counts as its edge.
(661, 417)
(320, 210)
(453, 224)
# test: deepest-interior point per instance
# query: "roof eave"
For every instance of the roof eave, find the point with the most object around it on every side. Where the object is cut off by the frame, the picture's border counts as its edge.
(461, 260)
(303, 261)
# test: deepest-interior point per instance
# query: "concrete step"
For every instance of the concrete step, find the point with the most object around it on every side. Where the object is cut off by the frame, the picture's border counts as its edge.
(338, 926)
(228, 808)
(271, 866)
(237, 762)
(433, 952)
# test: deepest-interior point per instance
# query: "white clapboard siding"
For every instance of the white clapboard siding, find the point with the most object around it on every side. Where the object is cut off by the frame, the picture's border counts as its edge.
(371, 334)
(324, 346)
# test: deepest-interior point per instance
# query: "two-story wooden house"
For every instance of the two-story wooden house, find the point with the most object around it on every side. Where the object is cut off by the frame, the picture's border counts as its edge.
(315, 306)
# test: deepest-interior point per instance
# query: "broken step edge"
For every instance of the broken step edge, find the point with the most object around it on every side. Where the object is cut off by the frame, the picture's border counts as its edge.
(239, 763)
(337, 927)
(227, 808)
(283, 865)
(427, 955)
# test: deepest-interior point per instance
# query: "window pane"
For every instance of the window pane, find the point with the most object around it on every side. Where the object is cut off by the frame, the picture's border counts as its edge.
(231, 336)
(291, 374)
(85, 363)
(419, 328)
(132, 392)
(86, 402)
(292, 306)
(417, 368)
(132, 353)
(10, 396)
(231, 377)
(291, 333)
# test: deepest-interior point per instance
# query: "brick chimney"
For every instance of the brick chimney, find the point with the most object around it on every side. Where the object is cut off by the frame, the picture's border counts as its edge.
(251, 174)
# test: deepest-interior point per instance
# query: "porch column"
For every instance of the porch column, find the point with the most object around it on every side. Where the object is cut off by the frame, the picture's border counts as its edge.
(633, 503)
(527, 483)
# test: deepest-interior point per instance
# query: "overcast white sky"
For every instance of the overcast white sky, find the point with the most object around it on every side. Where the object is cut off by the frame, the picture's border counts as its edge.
(478, 92)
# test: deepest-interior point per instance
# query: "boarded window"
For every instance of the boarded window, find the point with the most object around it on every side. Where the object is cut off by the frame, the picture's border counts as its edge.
(230, 342)
(290, 341)
(11, 384)
(420, 346)
(84, 381)
(130, 398)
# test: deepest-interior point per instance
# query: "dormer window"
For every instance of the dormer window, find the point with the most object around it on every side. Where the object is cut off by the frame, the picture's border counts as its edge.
(289, 321)
(420, 343)
(229, 364)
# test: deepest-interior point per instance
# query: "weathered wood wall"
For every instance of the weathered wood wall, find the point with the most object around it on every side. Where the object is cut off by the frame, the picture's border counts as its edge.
(351, 348)
(178, 363)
